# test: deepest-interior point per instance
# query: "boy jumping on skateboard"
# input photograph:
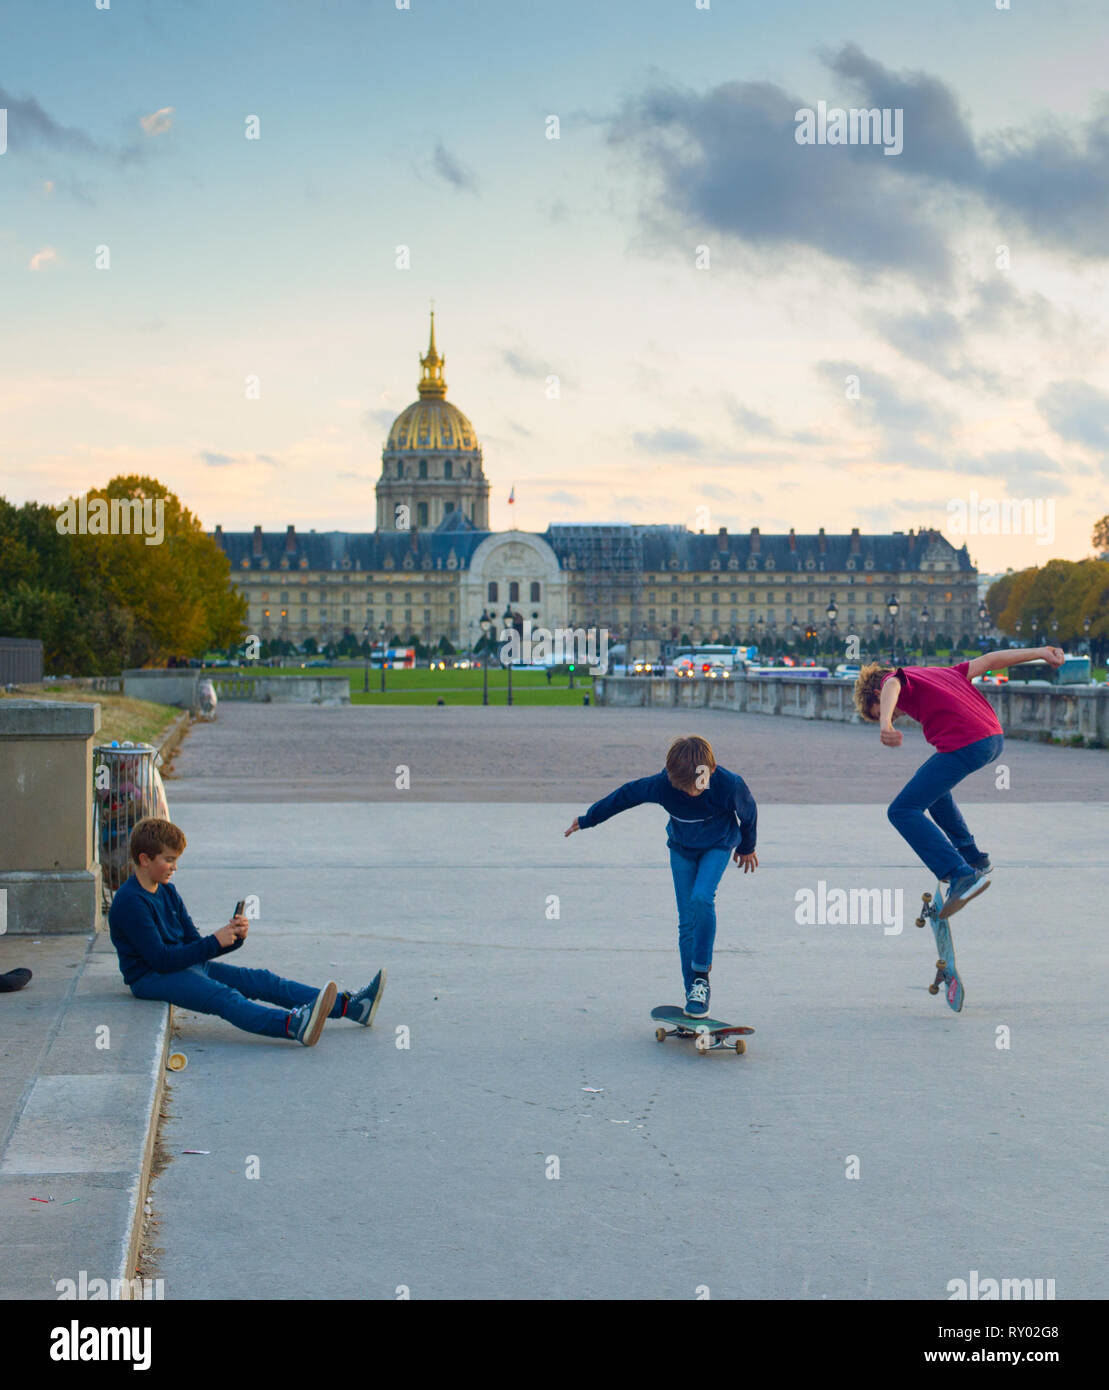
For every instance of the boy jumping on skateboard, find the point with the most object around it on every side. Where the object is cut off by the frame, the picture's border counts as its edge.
(712, 816)
(959, 722)
(163, 956)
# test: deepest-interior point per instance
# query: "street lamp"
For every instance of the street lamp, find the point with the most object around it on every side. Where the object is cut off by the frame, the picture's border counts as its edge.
(832, 613)
(366, 671)
(486, 624)
(893, 608)
(508, 663)
(924, 632)
(382, 630)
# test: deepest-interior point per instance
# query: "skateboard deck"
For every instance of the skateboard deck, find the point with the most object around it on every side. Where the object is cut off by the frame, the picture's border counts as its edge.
(707, 1033)
(947, 974)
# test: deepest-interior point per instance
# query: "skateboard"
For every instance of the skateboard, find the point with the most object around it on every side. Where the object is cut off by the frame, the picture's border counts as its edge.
(946, 969)
(708, 1033)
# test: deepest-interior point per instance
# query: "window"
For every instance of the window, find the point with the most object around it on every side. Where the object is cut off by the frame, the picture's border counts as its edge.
(423, 468)
(513, 592)
(448, 469)
(421, 513)
(535, 593)
(493, 595)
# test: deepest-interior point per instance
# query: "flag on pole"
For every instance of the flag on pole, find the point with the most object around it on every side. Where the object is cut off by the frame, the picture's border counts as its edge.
(512, 495)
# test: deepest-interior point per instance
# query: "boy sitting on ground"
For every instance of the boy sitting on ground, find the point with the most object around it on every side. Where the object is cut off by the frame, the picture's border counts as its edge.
(163, 956)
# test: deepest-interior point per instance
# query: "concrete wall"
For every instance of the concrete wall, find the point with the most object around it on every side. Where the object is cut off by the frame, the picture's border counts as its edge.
(294, 690)
(47, 862)
(173, 687)
(1062, 712)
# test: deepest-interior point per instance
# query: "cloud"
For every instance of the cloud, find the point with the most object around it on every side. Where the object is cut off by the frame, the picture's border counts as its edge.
(216, 460)
(158, 121)
(47, 256)
(563, 499)
(1077, 411)
(29, 125)
(725, 161)
(751, 422)
(448, 168)
(1024, 471)
(668, 441)
(900, 417)
(937, 340)
(377, 420)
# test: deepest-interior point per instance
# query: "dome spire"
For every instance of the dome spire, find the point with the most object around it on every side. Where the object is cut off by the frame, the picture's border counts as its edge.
(431, 382)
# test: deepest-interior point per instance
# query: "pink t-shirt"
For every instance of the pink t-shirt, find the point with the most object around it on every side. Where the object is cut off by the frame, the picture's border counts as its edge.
(949, 709)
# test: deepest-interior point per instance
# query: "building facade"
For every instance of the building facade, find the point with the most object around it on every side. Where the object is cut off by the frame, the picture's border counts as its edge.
(432, 569)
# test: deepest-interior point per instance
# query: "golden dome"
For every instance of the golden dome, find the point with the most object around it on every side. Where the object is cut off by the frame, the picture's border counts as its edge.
(432, 422)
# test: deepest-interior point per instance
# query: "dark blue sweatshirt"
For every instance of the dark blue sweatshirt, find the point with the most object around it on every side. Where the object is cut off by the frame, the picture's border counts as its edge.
(723, 816)
(152, 931)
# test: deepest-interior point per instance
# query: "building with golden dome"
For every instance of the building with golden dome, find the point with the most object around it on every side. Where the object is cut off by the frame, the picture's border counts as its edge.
(431, 462)
(432, 569)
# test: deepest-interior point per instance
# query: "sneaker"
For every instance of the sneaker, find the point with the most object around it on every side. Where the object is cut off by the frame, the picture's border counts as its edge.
(982, 864)
(697, 1000)
(362, 1006)
(305, 1023)
(961, 890)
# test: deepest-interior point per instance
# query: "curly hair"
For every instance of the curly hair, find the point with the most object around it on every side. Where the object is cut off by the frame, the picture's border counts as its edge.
(868, 688)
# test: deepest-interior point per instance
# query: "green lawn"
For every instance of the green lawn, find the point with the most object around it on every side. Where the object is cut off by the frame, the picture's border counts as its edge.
(423, 687)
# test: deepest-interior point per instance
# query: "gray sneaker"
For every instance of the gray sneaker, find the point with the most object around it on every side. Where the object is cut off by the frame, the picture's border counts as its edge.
(362, 1006)
(305, 1023)
(961, 890)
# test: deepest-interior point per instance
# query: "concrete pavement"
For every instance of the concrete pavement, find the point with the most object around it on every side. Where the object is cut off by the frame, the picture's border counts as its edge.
(979, 1139)
(510, 1128)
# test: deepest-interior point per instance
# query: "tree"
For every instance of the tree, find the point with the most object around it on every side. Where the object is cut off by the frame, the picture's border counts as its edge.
(101, 602)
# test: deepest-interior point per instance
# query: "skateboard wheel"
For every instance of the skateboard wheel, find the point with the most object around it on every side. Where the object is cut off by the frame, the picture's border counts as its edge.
(920, 921)
(177, 1061)
(740, 1046)
(939, 965)
(933, 989)
(660, 1035)
(926, 898)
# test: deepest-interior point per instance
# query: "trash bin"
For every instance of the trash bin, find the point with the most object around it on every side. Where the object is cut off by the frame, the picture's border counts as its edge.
(127, 787)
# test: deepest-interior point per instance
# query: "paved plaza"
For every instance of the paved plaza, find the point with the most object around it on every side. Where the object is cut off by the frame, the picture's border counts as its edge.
(510, 1128)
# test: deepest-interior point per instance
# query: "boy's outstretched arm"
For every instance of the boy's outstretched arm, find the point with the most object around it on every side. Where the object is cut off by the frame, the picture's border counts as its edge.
(622, 799)
(998, 661)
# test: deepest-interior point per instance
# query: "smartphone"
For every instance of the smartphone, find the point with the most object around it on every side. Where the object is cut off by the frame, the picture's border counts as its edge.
(239, 907)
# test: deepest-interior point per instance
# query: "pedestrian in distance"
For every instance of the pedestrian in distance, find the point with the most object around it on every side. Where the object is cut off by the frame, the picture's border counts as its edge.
(960, 723)
(713, 817)
(163, 956)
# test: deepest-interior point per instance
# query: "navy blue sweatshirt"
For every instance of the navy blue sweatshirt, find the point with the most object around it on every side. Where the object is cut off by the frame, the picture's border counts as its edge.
(152, 931)
(723, 816)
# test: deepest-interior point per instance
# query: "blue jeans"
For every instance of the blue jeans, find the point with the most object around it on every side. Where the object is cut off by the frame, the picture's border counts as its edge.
(695, 879)
(227, 990)
(946, 847)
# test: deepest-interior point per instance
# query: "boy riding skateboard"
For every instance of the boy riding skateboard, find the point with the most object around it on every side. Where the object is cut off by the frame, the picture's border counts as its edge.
(959, 722)
(712, 817)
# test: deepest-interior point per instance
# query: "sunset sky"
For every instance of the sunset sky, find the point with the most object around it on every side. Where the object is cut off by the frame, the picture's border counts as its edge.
(712, 396)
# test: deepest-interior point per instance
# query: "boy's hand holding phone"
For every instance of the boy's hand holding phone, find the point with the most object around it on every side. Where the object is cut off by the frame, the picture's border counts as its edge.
(236, 929)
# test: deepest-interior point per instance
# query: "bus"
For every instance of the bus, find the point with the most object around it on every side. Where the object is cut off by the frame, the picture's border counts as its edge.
(706, 655)
(396, 658)
(1075, 670)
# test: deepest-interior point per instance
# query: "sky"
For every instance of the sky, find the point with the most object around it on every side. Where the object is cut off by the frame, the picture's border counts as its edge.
(741, 330)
